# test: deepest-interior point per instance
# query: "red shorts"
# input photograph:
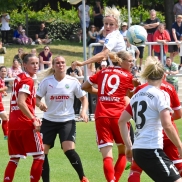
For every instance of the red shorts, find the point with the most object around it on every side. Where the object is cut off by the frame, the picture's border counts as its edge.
(24, 142)
(1, 107)
(107, 130)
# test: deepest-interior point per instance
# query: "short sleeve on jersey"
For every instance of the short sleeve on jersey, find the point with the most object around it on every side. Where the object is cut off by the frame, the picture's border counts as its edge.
(163, 102)
(26, 85)
(78, 91)
(110, 42)
(93, 79)
(41, 91)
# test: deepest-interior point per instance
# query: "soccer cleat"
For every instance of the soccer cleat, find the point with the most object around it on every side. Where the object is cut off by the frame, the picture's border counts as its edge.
(5, 137)
(84, 179)
(128, 165)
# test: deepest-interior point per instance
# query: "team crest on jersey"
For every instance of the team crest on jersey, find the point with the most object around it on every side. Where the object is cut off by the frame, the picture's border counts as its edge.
(106, 41)
(67, 86)
(25, 87)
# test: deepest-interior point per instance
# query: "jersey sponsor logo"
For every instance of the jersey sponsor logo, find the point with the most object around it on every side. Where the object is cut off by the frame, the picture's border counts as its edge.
(67, 86)
(110, 99)
(14, 108)
(59, 97)
(25, 87)
(106, 41)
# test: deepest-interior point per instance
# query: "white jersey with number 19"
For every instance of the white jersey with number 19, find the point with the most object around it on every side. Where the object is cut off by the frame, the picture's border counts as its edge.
(145, 107)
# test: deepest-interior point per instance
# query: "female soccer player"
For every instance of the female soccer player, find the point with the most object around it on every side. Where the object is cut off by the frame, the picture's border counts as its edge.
(150, 108)
(114, 40)
(24, 137)
(3, 88)
(113, 84)
(59, 91)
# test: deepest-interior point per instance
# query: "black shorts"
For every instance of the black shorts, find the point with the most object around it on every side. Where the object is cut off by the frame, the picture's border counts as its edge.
(66, 131)
(173, 48)
(141, 49)
(156, 164)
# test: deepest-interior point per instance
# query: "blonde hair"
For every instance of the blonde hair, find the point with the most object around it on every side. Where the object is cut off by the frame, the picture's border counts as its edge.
(50, 71)
(113, 12)
(119, 56)
(153, 70)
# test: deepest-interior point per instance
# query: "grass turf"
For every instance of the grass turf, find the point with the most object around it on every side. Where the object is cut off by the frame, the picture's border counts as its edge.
(60, 168)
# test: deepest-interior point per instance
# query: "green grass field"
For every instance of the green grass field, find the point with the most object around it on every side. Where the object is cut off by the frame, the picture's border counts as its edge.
(61, 170)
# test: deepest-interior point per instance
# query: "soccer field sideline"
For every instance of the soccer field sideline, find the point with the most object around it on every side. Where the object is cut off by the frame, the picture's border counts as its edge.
(61, 170)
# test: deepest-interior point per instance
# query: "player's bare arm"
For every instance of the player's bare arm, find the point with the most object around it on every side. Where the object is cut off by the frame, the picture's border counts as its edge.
(177, 114)
(97, 58)
(42, 106)
(83, 113)
(89, 88)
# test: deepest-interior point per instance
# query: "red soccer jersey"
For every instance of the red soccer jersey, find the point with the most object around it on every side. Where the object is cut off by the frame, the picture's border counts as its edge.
(113, 84)
(17, 120)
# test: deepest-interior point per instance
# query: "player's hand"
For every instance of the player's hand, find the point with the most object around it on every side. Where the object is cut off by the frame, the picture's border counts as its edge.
(84, 116)
(37, 124)
(78, 63)
(136, 82)
(42, 107)
(5, 93)
(128, 153)
(5, 88)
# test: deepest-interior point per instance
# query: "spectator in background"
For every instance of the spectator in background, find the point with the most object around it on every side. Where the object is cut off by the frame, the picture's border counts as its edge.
(45, 58)
(175, 36)
(2, 49)
(34, 52)
(123, 31)
(162, 36)
(177, 9)
(16, 34)
(151, 25)
(98, 17)
(75, 71)
(14, 71)
(5, 28)
(24, 39)
(87, 14)
(92, 35)
(171, 70)
(141, 50)
(103, 65)
(18, 56)
(41, 35)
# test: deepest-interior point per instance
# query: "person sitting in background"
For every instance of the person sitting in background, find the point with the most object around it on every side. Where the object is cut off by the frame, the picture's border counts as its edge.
(2, 49)
(162, 36)
(18, 56)
(92, 34)
(171, 70)
(45, 58)
(16, 34)
(123, 30)
(41, 35)
(24, 39)
(34, 52)
(14, 71)
(100, 39)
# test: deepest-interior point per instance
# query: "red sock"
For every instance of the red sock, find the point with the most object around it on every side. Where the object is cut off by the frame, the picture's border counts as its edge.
(5, 127)
(36, 170)
(10, 171)
(108, 169)
(119, 166)
(134, 177)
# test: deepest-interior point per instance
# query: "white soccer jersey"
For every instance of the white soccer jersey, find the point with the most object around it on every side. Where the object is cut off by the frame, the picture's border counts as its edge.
(146, 106)
(115, 42)
(59, 97)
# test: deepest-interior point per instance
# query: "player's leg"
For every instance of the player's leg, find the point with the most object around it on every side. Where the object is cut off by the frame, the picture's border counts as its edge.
(156, 164)
(49, 132)
(135, 172)
(4, 118)
(67, 138)
(10, 169)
